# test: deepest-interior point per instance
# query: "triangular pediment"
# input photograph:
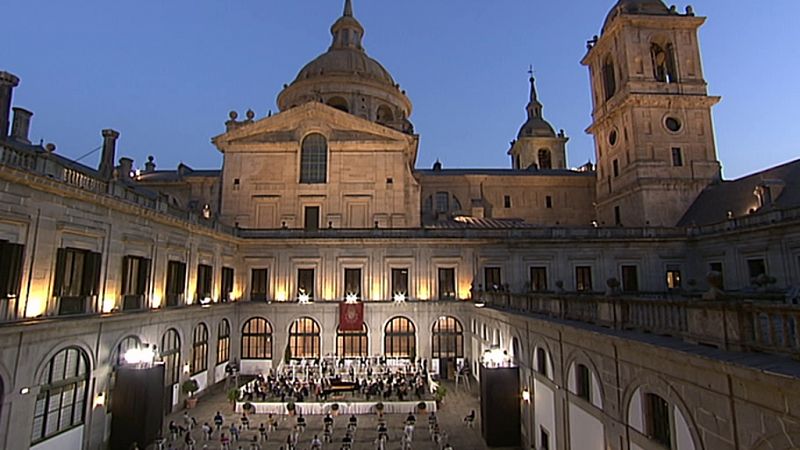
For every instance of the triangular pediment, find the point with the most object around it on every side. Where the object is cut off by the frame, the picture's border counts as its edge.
(292, 125)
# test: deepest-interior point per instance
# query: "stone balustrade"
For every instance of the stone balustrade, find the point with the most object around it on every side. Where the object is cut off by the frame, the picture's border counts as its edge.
(735, 324)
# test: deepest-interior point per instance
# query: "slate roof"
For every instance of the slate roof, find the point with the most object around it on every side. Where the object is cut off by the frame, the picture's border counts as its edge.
(737, 196)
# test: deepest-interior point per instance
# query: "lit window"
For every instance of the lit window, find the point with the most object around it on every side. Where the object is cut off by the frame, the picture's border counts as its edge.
(61, 402)
(257, 339)
(199, 349)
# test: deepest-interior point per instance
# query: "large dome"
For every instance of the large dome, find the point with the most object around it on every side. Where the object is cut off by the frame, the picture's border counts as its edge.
(346, 62)
(346, 78)
(636, 7)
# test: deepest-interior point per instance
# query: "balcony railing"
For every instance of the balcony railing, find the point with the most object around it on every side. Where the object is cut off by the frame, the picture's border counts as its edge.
(734, 324)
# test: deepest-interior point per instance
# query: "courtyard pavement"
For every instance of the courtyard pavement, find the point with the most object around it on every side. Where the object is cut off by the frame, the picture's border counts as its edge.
(457, 404)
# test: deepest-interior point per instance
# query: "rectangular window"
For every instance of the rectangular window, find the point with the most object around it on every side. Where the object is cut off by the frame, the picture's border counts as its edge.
(630, 279)
(658, 420)
(717, 267)
(616, 168)
(677, 157)
(226, 285)
(77, 279)
(538, 279)
(756, 267)
(311, 218)
(176, 283)
(259, 285)
(447, 284)
(583, 278)
(204, 280)
(305, 282)
(583, 382)
(135, 281)
(399, 282)
(548, 202)
(491, 276)
(442, 202)
(673, 277)
(11, 258)
(617, 216)
(352, 282)
(507, 201)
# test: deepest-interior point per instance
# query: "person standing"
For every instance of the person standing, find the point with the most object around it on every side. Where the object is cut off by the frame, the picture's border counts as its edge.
(218, 420)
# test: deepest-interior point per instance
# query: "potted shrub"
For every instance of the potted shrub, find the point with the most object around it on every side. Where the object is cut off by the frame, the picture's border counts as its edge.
(379, 408)
(421, 407)
(439, 395)
(248, 408)
(291, 408)
(233, 397)
(189, 387)
(335, 409)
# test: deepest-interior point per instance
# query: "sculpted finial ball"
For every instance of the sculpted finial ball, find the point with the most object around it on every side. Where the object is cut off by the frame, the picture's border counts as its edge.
(233, 115)
(250, 114)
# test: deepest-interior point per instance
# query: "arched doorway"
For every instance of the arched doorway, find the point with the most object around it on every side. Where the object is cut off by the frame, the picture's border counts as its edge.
(447, 345)
(171, 355)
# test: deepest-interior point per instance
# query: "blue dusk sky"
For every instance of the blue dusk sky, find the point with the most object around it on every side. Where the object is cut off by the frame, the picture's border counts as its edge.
(166, 73)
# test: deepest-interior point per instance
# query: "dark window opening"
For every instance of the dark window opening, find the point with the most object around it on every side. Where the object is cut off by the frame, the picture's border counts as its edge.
(11, 260)
(548, 202)
(226, 285)
(259, 285)
(507, 201)
(352, 282)
(204, 281)
(677, 157)
(756, 268)
(311, 218)
(717, 267)
(609, 78)
(615, 167)
(492, 278)
(176, 283)
(630, 279)
(617, 216)
(657, 413)
(305, 283)
(77, 279)
(400, 282)
(664, 68)
(447, 284)
(583, 382)
(545, 159)
(538, 279)
(583, 278)
(135, 281)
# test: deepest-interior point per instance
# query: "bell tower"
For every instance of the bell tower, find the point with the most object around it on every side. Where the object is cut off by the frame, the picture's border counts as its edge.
(652, 122)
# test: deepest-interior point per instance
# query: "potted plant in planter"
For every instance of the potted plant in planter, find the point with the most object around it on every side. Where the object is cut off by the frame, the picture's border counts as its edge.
(439, 395)
(421, 407)
(248, 408)
(291, 408)
(233, 397)
(379, 409)
(189, 387)
(335, 409)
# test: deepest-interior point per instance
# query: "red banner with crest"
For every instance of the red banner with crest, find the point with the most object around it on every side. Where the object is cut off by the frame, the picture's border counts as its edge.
(351, 316)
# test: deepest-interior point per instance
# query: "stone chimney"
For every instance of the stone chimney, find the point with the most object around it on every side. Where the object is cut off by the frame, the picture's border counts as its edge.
(125, 167)
(21, 125)
(7, 84)
(106, 168)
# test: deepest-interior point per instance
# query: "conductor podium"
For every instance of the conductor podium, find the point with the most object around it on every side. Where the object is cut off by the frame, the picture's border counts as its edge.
(500, 406)
(136, 409)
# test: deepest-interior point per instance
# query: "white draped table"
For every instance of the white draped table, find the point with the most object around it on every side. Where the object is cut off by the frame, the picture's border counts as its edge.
(345, 408)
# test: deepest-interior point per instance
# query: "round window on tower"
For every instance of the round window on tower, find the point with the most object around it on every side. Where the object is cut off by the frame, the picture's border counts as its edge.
(613, 137)
(673, 124)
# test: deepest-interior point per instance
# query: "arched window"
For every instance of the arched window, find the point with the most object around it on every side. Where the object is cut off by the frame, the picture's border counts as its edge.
(130, 342)
(545, 159)
(658, 420)
(385, 114)
(352, 344)
(400, 339)
(609, 77)
(448, 338)
(516, 350)
(223, 341)
(339, 103)
(541, 362)
(199, 348)
(304, 338)
(171, 355)
(664, 69)
(314, 160)
(61, 402)
(257, 339)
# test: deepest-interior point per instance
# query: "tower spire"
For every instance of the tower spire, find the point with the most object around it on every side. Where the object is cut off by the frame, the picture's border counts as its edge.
(347, 32)
(348, 8)
(534, 106)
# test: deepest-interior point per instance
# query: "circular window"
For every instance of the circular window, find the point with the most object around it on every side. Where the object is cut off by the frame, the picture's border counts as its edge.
(673, 124)
(612, 137)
